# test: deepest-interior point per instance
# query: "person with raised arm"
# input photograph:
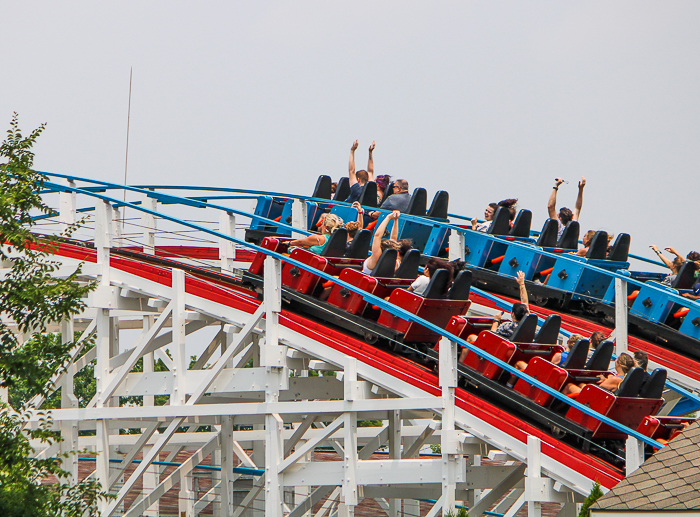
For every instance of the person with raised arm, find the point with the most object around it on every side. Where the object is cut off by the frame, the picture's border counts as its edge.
(565, 215)
(359, 178)
(518, 312)
(379, 244)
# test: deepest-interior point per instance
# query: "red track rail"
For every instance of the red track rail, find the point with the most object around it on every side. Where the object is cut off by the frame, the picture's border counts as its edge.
(401, 368)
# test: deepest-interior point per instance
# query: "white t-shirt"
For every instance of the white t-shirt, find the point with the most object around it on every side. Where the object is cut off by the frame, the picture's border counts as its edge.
(483, 227)
(420, 284)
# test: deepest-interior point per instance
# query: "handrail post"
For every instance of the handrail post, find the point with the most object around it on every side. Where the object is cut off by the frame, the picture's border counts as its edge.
(634, 455)
(620, 315)
(447, 359)
(456, 243)
(227, 249)
(148, 221)
(533, 481)
(299, 214)
(67, 207)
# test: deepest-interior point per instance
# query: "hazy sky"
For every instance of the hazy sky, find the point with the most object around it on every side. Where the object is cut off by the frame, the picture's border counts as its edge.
(487, 100)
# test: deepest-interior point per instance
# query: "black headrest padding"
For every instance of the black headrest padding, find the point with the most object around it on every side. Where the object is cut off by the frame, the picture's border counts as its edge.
(323, 187)
(359, 246)
(500, 225)
(368, 196)
(386, 265)
(342, 191)
(521, 225)
(438, 208)
(389, 190)
(409, 265)
(438, 285)
(685, 277)
(600, 360)
(620, 248)
(462, 286)
(598, 247)
(549, 331)
(576, 359)
(335, 247)
(525, 331)
(569, 238)
(418, 203)
(653, 388)
(630, 385)
(548, 237)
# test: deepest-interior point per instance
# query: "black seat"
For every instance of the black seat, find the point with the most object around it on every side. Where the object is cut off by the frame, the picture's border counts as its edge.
(437, 287)
(600, 360)
(521, 225)
(368, 195)
(386, 265)
(500, 224)
(359, 246)
(409, 265)
(418, 202)
(462, 286)
(685, 277)
(342, 191)
(630, 385)
(598, 247)
(438, 208)
(653, 388)
(389, 190)
(576, 359)
(569, 238)
(620, 248)
(335, 247)
(548, 237)
(323, 187)
(525, 331)
(549, 331)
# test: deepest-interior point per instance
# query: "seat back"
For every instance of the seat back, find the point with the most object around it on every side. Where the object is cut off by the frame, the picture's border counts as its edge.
(386, 265)
(569, 238)
(418, 202)
(323, 187)
(685, 277)
(576, 359)
(630, 385)
(438, 208)
(598, 247)
(549, 331)
(359, 247)
(500, 225)
(525, 331)
(620, 248)
(388, 191)
(409, 265)
(461, 286)
(438, 285)
(342, 191)
(521, 225)
(335, 247)
(653, 388)
(548, 236)
(368, 196)
(600, 360)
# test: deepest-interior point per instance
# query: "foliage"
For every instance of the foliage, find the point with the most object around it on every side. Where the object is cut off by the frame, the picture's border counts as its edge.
(596, 493)
(462, 512)
(31, 298)
(435, 447)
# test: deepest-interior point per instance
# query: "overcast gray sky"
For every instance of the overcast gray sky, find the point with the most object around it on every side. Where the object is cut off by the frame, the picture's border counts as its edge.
(487, 100)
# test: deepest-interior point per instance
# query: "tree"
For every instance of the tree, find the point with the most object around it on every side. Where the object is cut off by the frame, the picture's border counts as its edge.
(596, 493)
(31, 298)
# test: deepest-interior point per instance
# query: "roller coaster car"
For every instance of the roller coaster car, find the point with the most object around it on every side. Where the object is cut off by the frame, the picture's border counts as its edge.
(276, 244)
(664, 428)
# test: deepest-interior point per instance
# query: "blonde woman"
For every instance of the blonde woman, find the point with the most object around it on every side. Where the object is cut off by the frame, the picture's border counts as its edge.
(315, 243)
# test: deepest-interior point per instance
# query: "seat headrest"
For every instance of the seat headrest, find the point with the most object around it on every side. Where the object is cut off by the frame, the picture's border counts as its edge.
(620, 248)
(500, 225)
(525, 331)
(521, 225)
(630, 385)
(438, 208)
(685, 277)
(368, 195)
(653, 388)
(386, 265)
(409, 265)
(569, 238)
(359, 247)
(600, 360)
(462, 286)
(418, 202)
(577, 357)
(548, 237)
(598, 247)
(438, 285)
(335, 247)
(342, 191)
(549, 331)
(323, 187)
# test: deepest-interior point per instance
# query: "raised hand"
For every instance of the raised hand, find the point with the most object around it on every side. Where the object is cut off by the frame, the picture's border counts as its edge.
(582, 183)
(371, 147)
(521, 278)
(558, 181)
(354, 145)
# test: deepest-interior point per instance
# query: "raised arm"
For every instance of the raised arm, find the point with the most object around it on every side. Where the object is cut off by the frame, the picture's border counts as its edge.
(395, 229)
(377, 242)
(552, 203)
(579, 198)
(672, 250)
(668, 263)
(351, 165)
(370, 163)
(360, 213)
(523, 292)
